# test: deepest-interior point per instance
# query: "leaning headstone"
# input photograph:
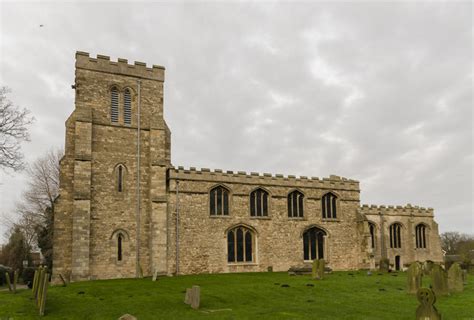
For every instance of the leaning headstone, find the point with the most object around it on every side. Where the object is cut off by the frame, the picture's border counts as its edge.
(35, 282)
(414, 275)
(187, 297)
(127, 317)
(155, 276)
(439, 280)
(44, 291)
(9, 283)
(15, 280)
(321, 266)
(426, 310)
(195, 297)
(315, 268)
(384, 265)
(455, 278)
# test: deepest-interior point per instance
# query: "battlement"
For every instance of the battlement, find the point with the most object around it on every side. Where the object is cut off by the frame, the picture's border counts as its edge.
(219, 175)
(103, 64)
(395, 210)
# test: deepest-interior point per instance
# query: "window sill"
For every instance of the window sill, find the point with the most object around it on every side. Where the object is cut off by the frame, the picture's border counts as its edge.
(261, 218)
(232, 264)
(220, 216)
(331, 220)
(297, 219)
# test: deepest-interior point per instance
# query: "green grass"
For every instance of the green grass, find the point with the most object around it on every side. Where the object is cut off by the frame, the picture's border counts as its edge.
(249, 296)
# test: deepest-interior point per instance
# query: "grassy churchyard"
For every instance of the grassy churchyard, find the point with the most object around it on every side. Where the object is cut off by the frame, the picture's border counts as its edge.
(340, 295)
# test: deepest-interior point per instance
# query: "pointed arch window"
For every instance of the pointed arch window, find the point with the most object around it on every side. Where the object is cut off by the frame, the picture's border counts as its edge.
(120, 172)
(114, 105)
(240, 245)
(420, 236)
(313, 243)
(127, 106)
(295, 204)
(395, 236)
(259, 203)
(372, 230)
(219, 201)
(329, 206)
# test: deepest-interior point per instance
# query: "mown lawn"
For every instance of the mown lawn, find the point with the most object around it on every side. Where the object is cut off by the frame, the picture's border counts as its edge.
(341, 295)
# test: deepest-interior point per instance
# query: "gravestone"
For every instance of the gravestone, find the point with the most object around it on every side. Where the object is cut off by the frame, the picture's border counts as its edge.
(127, 317)
(414, 276)
(455, 278)
(35, 282)
(15, 280)
(187, 297)
(426, 310)
(195, 297)
(155, 276)
(427, 266)
(44, 291)
(9, 284)
(439, 280)
(314, 270)
(464, 276)
(384, 265)
(321, 266)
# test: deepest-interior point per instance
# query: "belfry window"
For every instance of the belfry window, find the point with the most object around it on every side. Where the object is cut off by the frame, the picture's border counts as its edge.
(313, 243)
(372, 234)
(219, 201)
(395, 236)
(119, 247)
(259, 203)
(420, 236)
(240, 244)
(295, 204)
(114, 106)
(329, 206)
(127, 107)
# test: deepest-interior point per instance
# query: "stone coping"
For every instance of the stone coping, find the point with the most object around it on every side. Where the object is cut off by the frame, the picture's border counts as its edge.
(395, 210)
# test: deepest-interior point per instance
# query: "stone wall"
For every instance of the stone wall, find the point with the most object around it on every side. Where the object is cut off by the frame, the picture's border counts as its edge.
(202, 238)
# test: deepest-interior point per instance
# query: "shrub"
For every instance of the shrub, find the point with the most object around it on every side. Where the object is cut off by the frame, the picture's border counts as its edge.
(28, 275)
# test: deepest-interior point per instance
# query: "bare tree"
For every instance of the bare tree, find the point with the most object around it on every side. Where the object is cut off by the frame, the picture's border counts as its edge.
(14, 124)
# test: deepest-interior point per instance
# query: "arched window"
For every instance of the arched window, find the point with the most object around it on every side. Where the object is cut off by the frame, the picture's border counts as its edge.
(295, 204)
(219, 201)
(114, 109)
(119, 247)
(240, 243)
(127, 107)
(420, 235)
(372, 234)
(329, 206)
(313, 243)
(395, 236)
(259, 203)
(120, 172)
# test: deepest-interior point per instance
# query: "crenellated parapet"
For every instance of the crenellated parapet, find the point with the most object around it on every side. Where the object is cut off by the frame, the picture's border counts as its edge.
(104, 64)
(219, 175)
(407, 210)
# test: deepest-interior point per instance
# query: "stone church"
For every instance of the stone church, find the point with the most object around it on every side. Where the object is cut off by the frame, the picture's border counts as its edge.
(124, 210)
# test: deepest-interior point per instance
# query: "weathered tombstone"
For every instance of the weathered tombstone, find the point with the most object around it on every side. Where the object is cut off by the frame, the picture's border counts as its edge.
(439, 280)
(127, 317)
(9, 283)
(36, 281)
(384, 265)
(464, 276)
(414, 275)
(63, 280)
(427, 266)
(426, 310)
(321, 266)
(44, 291)
(315, 268)
(187, 297)
(455, 278)
(195, 297)
(15, 280)
(155, 276)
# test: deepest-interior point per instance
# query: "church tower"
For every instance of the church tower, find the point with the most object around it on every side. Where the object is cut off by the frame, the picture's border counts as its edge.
(111, 215)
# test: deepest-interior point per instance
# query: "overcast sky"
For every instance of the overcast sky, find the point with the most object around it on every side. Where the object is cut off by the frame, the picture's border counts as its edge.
(377, 92)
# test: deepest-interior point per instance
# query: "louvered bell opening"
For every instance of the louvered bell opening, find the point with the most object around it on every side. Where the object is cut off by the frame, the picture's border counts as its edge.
(114, 112)
(127, 107)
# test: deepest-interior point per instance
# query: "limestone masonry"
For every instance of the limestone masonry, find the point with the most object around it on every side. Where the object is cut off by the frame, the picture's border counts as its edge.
(124, 210)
